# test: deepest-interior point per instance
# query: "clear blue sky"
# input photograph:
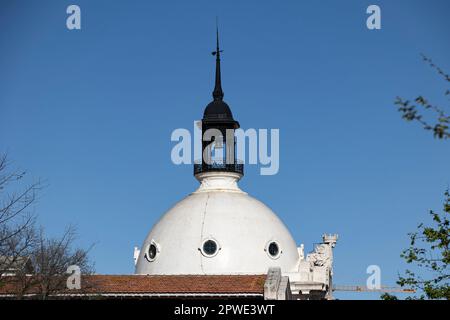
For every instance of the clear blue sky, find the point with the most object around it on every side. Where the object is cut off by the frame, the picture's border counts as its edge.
(91, 112)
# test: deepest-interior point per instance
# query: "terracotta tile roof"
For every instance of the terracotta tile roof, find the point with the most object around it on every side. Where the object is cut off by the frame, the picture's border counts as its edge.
(167, 284)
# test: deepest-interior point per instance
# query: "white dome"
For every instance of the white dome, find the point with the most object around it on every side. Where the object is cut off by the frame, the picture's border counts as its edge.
(241, 226)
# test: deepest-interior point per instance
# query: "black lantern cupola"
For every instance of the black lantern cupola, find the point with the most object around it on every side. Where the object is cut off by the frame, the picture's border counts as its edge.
(218, 125)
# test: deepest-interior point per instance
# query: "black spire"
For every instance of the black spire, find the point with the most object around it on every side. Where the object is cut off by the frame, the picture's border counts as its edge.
(217, 93)
(218, 110)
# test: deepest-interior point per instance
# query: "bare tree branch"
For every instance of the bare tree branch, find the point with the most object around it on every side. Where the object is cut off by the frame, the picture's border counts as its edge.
(411, 109)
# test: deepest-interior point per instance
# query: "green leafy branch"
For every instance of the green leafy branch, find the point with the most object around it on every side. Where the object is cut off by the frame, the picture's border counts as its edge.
(429, 249)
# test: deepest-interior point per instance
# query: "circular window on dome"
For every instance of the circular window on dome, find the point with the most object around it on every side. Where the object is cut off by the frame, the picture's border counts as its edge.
(152, 251)
(210, 248)
(273, 249)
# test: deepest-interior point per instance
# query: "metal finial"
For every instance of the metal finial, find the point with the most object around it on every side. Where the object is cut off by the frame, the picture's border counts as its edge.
(217, 93)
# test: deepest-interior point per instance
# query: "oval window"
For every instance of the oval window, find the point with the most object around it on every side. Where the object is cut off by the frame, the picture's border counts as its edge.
(152, 251)
(210, 248)
(273, 249)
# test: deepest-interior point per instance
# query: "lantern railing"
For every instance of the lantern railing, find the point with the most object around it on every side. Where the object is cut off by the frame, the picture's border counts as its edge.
(219, 166)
